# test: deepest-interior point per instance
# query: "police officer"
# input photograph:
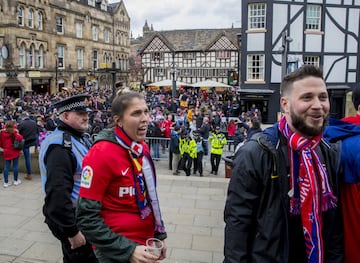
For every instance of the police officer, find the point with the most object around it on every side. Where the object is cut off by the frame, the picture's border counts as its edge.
(60, 160)
(217, 141)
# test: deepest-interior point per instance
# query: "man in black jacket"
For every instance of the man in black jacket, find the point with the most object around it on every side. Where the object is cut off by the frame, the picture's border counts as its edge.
(283, 196)
(28, 129)
(60, 160)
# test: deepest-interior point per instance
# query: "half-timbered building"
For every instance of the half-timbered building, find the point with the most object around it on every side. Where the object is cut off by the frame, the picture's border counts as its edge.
(279, 36)
(191, 55)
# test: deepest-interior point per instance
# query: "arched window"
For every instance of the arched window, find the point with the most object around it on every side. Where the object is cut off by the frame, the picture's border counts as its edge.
(39, 21)
(21, 16)
(22, 55)
(31, 56)
(39, 60)
(30, 18)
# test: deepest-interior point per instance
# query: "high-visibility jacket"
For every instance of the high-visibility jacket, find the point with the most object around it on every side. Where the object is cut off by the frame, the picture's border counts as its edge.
(188, 146)
(217, 141)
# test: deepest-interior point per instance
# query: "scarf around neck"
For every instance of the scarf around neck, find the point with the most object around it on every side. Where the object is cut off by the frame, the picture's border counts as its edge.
(310, 192)
(144, 178)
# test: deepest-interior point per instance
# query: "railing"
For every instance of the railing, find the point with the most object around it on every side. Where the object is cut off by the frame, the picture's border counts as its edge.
(160, 147)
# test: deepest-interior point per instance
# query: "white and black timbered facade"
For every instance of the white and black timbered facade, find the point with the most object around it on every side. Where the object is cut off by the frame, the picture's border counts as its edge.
(279, 36)
(191, 55)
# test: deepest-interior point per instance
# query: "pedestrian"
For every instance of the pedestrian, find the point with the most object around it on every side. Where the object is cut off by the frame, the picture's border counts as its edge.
(348, 131)
(10, 155)
(175, 149)
(187, 147)
(29, 130)
(217, 141)
(60, 158)
(201, 150)
(254, 127)
(282, 203)
(118, 209)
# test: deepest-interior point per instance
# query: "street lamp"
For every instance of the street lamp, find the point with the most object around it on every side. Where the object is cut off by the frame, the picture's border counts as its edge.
(113, 74)
(173, 91)
(285, 40)
(56, 72)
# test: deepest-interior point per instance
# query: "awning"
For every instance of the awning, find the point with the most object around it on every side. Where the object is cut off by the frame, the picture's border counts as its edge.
(13, 83)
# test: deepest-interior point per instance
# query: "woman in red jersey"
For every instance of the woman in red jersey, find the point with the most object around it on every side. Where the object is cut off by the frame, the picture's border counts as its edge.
(118, 208)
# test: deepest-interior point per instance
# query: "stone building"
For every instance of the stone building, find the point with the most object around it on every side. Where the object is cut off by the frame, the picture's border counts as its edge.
(51, 45)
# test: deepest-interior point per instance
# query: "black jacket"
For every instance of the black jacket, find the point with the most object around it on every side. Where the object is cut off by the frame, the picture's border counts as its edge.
(28, 129)
(259, 227)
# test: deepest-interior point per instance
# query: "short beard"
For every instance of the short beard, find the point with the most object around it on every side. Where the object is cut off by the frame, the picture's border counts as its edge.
(299, 124)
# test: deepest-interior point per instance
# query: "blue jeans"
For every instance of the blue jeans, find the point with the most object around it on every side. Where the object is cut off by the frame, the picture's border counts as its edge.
(26, 152)
(15, 169)
(156, 149)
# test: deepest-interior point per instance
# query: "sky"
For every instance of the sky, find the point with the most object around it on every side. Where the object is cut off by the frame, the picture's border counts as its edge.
(182, 14)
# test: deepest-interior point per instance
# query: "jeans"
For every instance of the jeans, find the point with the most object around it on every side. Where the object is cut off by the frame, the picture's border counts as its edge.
(26, 152)
(15, 169)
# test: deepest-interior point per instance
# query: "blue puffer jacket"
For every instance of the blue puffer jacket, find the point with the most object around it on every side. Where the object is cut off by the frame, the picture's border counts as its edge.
(350, 136)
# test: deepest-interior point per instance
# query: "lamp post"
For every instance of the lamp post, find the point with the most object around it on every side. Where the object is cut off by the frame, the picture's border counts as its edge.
(56, 72)
(173, 91)
(113, 75)
(285, 40)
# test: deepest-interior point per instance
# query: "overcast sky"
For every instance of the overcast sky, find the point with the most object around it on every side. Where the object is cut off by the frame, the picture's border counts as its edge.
(182, 14)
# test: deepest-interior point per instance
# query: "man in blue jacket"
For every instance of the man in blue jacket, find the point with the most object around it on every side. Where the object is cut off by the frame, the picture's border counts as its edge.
(348, 131)
(282, 204)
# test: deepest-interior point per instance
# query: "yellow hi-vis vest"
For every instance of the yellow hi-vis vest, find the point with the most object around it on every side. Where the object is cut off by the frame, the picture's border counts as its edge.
(217, 141)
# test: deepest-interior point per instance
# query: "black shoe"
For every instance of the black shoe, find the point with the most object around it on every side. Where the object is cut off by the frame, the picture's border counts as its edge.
(201, 175)
(215, 173)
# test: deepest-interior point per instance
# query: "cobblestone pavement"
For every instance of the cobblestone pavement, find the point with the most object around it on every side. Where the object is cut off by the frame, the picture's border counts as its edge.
(192, 210)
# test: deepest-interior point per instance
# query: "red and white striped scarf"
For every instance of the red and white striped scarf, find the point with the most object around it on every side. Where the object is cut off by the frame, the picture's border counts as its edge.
(310, 190)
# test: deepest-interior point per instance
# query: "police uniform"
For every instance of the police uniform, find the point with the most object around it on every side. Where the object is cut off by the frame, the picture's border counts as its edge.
(218, 141)
(60, 160)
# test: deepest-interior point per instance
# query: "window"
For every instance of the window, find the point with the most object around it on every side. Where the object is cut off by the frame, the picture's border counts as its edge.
(189, 55)
(80, 58)
(30, 18)
(255, 67)
(20, 16)
(39, 21)
(22, 56)
(107, 35)
(159, 72)
(31, 56)
(95, 33)
(95, 59)
(60, 56)
(313, 16)
(79, 27)
(91, 2)
(1, 61)
(312, 60)
(59, 24)
(222, 54)
(157, 56)
(257, 16)
(103, 6)
(39, 60)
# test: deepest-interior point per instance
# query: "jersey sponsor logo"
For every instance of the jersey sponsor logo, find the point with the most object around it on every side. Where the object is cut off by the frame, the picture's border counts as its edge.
(124, 172)
(126, 191)
(86, 177)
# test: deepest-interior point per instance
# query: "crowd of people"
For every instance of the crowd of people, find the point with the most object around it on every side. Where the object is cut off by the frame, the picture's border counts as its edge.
(292, 197)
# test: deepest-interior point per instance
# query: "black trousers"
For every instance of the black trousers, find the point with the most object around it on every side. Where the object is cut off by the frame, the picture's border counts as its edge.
(198, 165)
(215, 161)
(187, 163)
(83, 254)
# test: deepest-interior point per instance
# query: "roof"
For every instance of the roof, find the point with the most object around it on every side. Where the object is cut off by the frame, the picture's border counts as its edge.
(13, 82)
(191, 39)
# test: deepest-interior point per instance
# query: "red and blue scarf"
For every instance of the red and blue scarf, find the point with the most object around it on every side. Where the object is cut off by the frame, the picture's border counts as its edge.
(310, 192)
(144, 178)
